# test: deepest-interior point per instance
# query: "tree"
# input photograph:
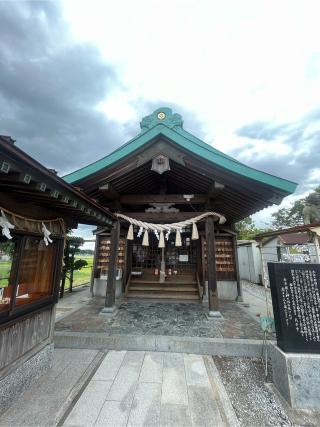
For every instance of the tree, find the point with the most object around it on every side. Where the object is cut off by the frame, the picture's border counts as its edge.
(289, 217)
(293, 215)
(246, 229)
(72, 246)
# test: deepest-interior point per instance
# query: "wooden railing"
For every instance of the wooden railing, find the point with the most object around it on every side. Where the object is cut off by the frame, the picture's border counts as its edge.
(127, 285)
(200, 289)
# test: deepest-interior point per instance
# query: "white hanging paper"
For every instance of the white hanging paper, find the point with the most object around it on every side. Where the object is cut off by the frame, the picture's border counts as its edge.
(6, 225)
(46, 235)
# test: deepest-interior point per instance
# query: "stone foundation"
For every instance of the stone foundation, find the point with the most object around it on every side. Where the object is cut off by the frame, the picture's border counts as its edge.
(297, 377)
(24, 375)
(100, 288)
(227, 290)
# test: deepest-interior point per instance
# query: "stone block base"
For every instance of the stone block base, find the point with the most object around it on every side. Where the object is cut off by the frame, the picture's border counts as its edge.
(24, 375)
(297, 377)
(227, 290)
(100, 287)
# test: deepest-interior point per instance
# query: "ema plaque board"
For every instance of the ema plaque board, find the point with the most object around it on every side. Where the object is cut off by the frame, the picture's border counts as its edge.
(295, 291)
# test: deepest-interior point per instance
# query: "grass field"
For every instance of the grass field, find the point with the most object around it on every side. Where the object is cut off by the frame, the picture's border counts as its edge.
(84, 275)
(5, 267)
(79, 277)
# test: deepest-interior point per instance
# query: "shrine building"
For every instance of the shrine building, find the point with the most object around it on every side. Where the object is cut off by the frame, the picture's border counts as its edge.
(177, 200)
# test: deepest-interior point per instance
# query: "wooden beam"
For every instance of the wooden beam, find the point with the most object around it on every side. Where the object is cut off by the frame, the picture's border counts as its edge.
(162, 217)
(112, 270)
(108, 191)
(145, 199)
(211, 265)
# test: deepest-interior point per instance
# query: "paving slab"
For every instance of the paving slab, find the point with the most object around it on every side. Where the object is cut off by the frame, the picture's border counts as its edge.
(126, 381)
(114, 414)
(110, 366)
(46, 400)
(196, 373)
(146, 406)
(152, 368)
(203, 407)
(175, 415)
(88, 407)
(174, 385)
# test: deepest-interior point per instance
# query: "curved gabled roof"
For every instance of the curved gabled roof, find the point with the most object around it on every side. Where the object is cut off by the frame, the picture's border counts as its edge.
(163, 122)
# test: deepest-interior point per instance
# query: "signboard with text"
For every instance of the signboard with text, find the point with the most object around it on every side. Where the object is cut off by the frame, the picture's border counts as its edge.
(295, 291)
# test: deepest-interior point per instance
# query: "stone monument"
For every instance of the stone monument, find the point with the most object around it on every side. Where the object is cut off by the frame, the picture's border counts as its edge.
(311, 212)
(295, 290)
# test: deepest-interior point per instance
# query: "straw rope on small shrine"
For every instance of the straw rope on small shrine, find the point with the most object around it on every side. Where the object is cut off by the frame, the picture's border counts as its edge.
(176, 227)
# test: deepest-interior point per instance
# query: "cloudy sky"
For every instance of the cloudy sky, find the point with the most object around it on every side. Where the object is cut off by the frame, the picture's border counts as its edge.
(77, 77)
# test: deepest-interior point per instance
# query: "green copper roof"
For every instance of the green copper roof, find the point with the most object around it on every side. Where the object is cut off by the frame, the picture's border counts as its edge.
(164, 122)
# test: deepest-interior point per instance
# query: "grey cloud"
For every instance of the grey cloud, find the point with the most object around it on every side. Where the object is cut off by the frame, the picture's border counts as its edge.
(296, 166)
(50, 86)
(262, 130)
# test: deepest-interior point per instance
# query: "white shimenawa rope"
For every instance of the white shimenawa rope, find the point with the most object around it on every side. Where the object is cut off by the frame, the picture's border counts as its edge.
(177, 226)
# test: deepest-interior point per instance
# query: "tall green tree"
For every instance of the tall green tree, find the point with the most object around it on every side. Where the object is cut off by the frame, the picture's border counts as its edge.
(247, 229)
(70, 264)
(291, 216)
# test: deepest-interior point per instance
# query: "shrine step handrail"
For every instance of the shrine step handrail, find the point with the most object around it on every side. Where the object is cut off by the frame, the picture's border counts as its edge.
(200, 289)
(127, 284)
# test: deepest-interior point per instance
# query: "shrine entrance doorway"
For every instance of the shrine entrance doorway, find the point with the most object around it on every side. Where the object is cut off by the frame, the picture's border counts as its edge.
(169, 272)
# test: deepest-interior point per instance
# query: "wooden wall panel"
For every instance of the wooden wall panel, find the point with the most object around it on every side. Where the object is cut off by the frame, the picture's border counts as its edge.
(22, 336)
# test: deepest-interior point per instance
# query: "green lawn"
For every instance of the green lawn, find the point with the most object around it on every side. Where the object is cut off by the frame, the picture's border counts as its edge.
(79, 277)
(84, 275)
(5, 267)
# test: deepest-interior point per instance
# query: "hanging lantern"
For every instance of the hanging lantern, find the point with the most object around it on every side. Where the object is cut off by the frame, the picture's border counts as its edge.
(195, 234)
(178, 238)
(161, 240)
(145, 240)
(130, 233)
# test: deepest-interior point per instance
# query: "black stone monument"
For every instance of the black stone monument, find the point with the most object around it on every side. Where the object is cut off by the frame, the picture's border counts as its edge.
(295, 291)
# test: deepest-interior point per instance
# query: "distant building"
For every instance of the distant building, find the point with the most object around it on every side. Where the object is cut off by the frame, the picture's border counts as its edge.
(296, 244)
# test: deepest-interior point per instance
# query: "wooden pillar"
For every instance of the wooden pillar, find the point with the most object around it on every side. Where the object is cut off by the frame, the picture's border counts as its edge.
(199, 259)
(112, 270)
(128, 262)
(236, 263)
(211, 265)
(95, 263)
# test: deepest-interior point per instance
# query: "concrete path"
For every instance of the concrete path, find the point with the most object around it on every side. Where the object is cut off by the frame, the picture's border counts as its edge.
(256, 295)
(71, 302)
(136, 388)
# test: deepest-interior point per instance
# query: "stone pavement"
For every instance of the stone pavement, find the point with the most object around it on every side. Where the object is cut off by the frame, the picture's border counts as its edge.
(162, 318)
(153, 389)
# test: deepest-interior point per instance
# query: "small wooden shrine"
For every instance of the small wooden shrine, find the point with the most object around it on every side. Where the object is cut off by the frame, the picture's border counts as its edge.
(36, 207)
(177, 200)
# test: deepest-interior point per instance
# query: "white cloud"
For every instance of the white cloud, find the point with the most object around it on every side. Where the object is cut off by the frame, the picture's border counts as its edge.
(231, 63)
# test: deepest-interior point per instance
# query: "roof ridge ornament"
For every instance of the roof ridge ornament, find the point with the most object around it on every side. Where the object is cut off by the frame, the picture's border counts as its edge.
(164, 116)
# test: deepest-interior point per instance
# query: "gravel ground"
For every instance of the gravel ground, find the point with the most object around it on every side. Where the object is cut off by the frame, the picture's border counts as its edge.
(253, 400)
